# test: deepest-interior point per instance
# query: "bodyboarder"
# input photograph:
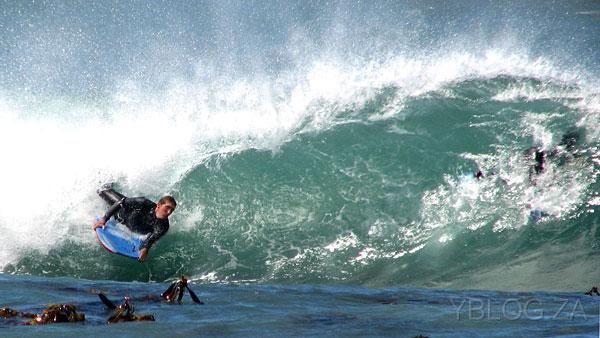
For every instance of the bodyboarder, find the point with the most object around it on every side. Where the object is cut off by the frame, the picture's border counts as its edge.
(139, 214)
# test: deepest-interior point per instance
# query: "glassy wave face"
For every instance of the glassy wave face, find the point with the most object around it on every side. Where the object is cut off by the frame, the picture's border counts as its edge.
(307, 142)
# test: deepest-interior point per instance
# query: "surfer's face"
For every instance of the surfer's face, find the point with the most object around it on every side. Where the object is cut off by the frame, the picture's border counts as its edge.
(163, 211)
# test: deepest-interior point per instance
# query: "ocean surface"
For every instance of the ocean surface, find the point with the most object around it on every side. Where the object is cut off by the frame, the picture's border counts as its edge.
(322, 156)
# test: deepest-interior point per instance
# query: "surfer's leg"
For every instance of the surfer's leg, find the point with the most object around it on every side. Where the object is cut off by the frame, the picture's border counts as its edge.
(110, 196)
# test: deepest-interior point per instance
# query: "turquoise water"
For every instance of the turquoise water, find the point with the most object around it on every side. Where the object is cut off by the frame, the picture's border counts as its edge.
(306, 310)
(307, 143)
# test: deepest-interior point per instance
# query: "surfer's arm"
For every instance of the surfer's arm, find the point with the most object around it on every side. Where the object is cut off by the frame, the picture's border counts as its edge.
(100, 223)
(143, 254)
(113, 209)
(157, 232)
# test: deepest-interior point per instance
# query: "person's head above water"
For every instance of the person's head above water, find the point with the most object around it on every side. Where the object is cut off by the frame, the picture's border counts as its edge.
(165, 207)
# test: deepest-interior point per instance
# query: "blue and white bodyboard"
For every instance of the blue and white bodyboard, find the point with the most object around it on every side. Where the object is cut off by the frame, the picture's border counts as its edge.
(116, 238)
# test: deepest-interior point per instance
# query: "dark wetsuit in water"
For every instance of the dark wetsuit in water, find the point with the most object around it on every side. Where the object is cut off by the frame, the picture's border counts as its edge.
(137, 213)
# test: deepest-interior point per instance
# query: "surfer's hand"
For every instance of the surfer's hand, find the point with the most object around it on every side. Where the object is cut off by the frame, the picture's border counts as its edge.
(143, 254)
(101, 223)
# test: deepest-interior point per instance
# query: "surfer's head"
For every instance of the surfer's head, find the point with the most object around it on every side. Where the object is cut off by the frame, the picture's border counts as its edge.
(165, 207)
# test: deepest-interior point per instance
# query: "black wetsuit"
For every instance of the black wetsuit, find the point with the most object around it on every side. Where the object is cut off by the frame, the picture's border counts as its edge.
(137, 213)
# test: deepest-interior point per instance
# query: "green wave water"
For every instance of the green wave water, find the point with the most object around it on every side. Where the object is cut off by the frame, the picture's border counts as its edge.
(308, 159)
(378, 201)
